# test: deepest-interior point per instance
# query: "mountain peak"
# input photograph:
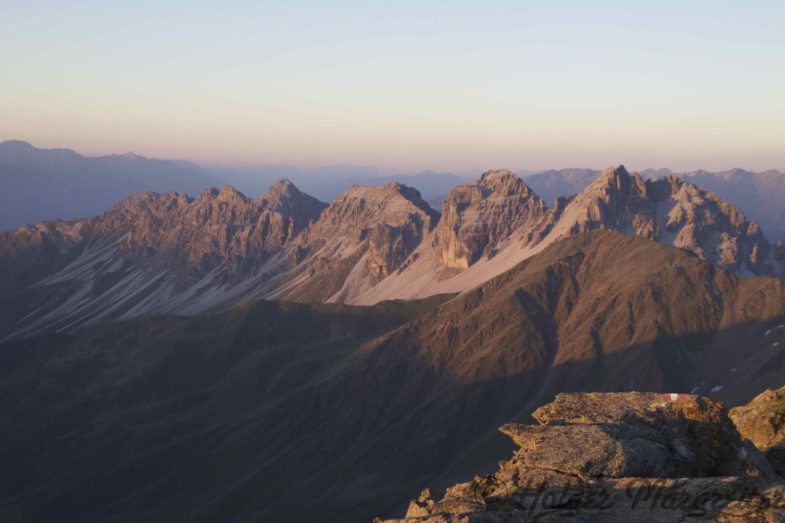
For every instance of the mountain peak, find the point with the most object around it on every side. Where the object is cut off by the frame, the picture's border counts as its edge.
(391, 200)
(613, 175)
(478, 216)
(497, 175)
(229, 193)
(618, 170)
(21, 152)
(616, 182)
(282, 184)
(280, 189)
(133, 156)
(17, 144)
(373, 192)
(672, 211)
(284, 197)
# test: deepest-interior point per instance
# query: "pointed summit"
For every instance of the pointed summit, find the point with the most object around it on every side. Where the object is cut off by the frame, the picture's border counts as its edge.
(225, 194)
(284, 197)
(615, 200)
(230, 194)
(671, 211)
(478, 216)
(616, 180)
(365, 235)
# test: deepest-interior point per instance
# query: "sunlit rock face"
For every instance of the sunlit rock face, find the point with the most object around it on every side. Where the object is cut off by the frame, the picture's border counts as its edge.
(597, 455)
(478, 216)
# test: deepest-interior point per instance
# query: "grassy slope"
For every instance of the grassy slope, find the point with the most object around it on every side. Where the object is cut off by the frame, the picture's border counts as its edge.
(281, 412)
(116, 419)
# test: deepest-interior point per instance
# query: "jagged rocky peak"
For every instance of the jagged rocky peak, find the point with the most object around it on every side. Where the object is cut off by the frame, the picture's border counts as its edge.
(361, 208)
(615, 200)
(284, 197)
(595, 454)
(229, 194)
(671, 211)
(226, 194)
(477, 217)
(189, 237)
(702, 222)
(616, 183)
(384, 224)
(498, 178)
(279, 193)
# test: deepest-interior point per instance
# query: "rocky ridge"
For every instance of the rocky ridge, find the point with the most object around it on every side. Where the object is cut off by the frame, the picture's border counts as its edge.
(478, 217)
(365, 235)
(144, 254)
(618, 457)
(171, 253)
(496, 222)
(669, 211)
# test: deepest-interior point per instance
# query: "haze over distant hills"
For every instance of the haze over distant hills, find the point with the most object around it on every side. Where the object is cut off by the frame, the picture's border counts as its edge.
(39, 184)
(43, 184)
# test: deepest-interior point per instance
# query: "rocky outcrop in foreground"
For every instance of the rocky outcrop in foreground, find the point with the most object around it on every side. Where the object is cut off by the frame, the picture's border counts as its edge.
(762, 421)
(618, 457)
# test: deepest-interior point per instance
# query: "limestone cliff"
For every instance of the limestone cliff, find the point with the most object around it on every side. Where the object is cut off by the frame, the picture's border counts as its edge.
(480, 216)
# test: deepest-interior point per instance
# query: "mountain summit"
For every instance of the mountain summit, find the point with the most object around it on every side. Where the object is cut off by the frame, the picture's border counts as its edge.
(478, 217)
(365, 235)
(285, 198)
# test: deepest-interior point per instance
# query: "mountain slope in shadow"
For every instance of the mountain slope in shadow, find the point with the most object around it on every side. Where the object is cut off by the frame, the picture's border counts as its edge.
(279, 412)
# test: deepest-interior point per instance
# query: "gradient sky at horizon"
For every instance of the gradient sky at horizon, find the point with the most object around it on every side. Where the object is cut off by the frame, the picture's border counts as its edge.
(404, 85)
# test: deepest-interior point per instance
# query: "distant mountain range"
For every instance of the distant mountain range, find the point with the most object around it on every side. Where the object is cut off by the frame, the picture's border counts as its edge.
(169, 253)
(43, 184)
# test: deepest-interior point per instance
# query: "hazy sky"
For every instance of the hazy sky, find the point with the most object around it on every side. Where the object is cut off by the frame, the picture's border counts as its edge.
(402, 85)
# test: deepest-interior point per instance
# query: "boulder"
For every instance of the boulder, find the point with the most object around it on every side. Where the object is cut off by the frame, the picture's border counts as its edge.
(591, 450)
(698, 437)
(618, 457)
(762, 420)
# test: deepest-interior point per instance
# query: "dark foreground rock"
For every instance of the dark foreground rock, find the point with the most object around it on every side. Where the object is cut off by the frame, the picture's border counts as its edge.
(618, 457)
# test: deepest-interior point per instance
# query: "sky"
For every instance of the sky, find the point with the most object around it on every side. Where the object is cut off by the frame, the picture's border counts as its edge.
(404, 85)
